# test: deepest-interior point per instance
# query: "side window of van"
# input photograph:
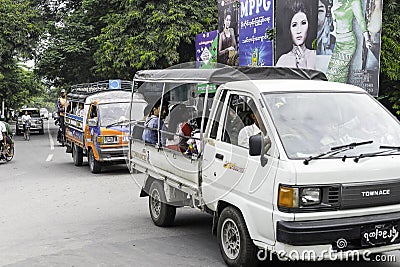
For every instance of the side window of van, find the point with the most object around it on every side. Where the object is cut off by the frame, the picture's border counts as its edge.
(242, 121)
(217, 118)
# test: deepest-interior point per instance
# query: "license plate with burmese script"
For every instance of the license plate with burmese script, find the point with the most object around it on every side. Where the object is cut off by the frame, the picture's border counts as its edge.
(379, 235)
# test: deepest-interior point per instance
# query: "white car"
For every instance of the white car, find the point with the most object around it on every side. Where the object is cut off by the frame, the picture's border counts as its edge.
(44, 113)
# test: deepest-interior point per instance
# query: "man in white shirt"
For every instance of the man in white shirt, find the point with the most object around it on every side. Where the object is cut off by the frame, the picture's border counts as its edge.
(26, 117)
(247, 131)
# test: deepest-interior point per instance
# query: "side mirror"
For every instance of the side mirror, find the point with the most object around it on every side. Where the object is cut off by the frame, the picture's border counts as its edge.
(255, 145)
(92, 122)
(258, 146)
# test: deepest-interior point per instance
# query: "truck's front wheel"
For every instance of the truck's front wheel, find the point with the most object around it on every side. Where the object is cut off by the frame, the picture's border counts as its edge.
(234, 240)
(77, 155)
(94, 165)
(161, 213)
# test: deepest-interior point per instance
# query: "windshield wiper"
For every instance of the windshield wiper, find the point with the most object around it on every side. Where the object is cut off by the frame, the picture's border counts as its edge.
(118, 123)
(390, 147)
(373, 154)
(336, 150)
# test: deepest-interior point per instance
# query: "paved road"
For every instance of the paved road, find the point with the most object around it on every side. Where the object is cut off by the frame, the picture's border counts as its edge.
(55, 214)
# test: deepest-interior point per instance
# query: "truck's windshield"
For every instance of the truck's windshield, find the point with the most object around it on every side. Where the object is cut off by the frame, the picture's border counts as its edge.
(311, 123)
(113, 113)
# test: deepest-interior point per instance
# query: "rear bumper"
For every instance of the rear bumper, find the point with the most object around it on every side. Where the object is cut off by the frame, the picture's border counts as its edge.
(328, 232)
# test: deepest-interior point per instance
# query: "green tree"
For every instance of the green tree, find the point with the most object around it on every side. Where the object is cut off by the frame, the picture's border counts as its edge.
(390, 54)
(88, 40)
(152, 34)
(66, 55)
(20, 29)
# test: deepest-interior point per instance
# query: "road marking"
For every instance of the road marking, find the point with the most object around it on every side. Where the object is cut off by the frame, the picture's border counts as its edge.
(49, 157)
(50, 137)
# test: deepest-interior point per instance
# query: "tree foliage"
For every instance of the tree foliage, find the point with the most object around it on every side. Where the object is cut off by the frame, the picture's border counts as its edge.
(20, 28)
(152, 34)
(103, 39)
(390, 54)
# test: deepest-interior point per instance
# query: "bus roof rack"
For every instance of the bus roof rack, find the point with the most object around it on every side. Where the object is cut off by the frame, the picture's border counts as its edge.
(89, 88)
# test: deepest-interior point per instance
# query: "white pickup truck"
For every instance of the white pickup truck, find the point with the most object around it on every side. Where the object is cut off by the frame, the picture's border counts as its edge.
(284, 161)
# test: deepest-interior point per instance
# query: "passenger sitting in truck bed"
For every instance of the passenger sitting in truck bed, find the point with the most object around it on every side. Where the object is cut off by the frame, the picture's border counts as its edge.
(179, 125)
(150, 133)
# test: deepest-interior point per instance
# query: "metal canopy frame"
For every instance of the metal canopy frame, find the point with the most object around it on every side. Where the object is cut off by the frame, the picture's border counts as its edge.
(227, 74)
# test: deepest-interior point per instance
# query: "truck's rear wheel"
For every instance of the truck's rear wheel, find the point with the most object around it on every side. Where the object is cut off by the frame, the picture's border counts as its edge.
(234, 241)
(161, 213)
(77, 155)
(94, 165)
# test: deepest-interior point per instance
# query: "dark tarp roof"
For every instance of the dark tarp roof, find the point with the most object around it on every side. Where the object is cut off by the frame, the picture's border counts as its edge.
(228, 74)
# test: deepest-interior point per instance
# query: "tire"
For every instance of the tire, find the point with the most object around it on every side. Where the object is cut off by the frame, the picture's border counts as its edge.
(234, 241)
(94, 165)
(77, 155)
(161, 213)
(41, 132)
(10, 156)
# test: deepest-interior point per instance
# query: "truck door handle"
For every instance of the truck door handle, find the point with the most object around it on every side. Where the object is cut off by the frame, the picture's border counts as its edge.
(219, 156)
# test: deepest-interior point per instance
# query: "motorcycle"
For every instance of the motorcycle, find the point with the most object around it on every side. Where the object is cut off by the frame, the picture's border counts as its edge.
(9, 154)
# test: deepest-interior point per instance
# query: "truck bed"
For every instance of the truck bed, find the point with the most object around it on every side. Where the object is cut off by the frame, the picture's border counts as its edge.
(179, 170)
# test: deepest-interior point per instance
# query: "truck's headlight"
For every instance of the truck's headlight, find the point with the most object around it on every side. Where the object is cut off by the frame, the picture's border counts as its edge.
(288, 197)
(310, 196)
(107, 140)
(296, 198)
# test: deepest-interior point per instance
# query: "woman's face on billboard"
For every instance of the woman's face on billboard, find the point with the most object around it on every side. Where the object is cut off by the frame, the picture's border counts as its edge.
(299, 28)
(227, 21)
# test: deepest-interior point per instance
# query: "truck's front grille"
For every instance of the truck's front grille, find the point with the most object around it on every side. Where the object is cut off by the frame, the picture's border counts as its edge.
(370, 194)
(334, 196)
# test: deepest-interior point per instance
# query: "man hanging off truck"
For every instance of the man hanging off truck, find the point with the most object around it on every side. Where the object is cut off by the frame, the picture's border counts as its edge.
(62, 104)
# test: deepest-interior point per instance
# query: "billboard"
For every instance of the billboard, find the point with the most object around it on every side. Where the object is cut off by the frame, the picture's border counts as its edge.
(296, 32)
(228, 32)
(349, 42)
(206, 49)
(255, 21)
